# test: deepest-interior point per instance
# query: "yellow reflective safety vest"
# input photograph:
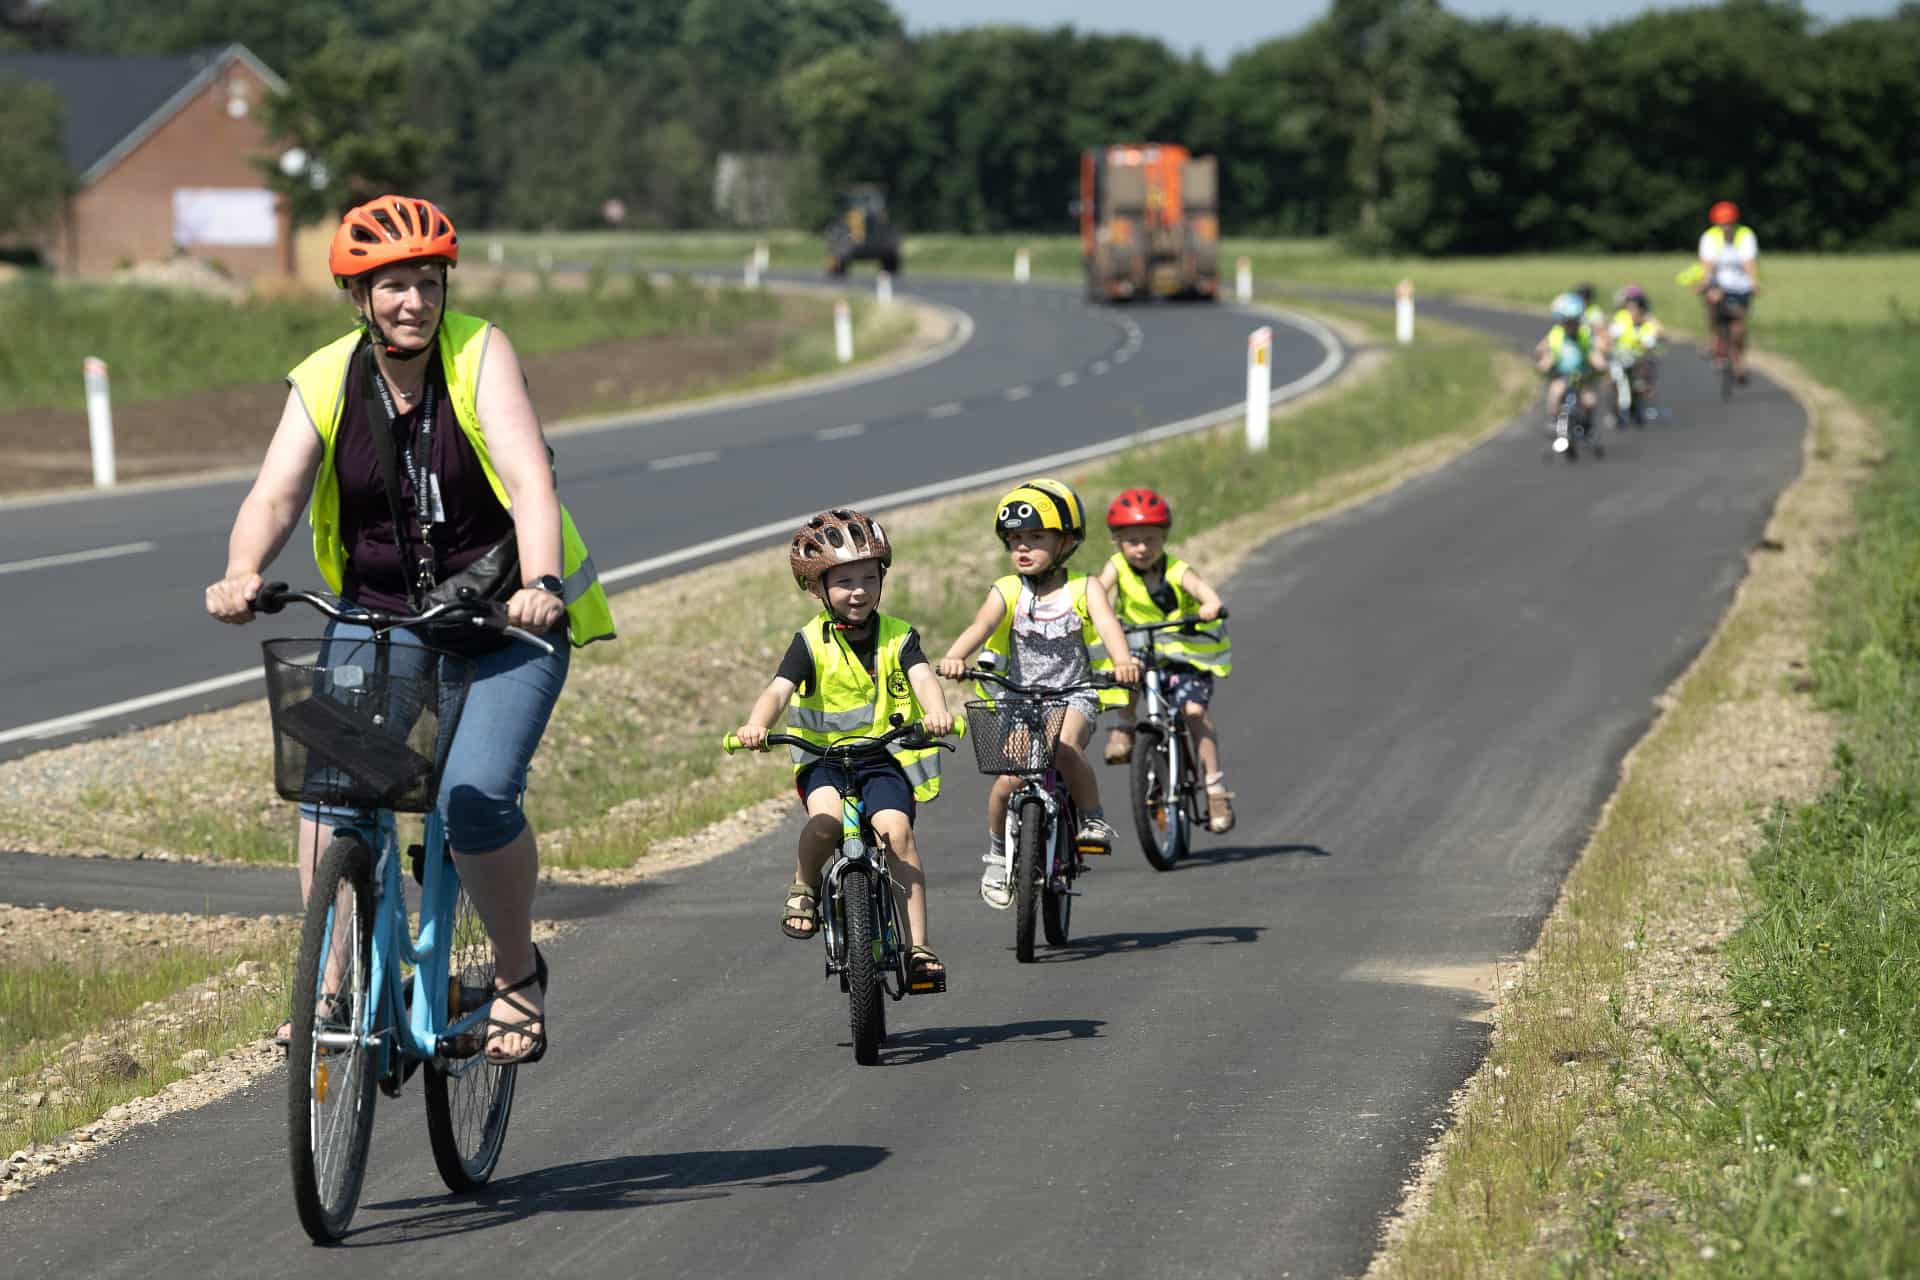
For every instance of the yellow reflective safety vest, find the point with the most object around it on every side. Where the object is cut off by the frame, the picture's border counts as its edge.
(1636, 339)
(1209, 650)
(1000, 643)
(843, 701)
(321, 383)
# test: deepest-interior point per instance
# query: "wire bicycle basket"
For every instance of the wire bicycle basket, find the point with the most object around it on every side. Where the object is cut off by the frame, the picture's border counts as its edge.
(362, 725)
(1015, 735)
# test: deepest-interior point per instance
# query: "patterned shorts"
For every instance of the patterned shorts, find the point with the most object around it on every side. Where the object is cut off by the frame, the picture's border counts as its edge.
(1190, 686)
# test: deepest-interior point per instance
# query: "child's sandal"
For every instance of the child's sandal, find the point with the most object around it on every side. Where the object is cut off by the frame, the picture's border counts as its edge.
(800, 915)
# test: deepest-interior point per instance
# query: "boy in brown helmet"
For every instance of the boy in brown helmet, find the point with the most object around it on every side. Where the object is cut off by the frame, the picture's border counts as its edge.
(846, 674)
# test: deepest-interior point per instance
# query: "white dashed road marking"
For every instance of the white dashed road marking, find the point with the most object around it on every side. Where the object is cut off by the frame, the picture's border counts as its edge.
(683, 460)
(78, 557)
(1067, 379)
(1018, 393)
(946, 410)
(841, 433)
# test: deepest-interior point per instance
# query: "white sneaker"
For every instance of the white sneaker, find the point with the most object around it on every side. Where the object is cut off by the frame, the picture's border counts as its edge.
(994, 889)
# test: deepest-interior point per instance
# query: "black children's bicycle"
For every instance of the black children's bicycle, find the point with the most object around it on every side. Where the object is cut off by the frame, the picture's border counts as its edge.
(859, 913)
(1169, 794)
(1018, 735)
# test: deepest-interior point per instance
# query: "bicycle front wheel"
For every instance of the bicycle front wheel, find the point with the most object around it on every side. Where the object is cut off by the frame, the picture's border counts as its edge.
(1159, 819)
(330, 1068)
(469, 1099)
(863, 970)
(1029, 857)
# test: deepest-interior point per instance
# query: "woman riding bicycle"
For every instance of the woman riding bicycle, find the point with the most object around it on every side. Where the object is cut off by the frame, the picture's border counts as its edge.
(447, 393)
(1730, 275)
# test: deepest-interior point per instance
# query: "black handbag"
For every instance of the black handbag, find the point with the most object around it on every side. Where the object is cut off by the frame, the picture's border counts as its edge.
(495, 576)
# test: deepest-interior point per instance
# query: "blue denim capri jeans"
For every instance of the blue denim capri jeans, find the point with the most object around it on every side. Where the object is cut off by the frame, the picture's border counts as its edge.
(508, 705)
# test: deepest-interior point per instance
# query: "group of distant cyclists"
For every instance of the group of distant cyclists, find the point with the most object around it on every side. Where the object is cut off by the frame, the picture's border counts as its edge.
(1587, 353)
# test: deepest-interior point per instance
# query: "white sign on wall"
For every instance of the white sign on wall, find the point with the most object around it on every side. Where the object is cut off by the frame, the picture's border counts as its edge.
(227, 217)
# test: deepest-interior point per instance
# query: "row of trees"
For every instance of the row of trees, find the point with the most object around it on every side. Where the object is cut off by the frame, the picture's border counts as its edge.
(1392, 122)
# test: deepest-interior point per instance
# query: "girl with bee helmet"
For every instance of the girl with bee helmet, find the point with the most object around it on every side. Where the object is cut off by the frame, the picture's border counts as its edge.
(1045, 627)
(414, 442)
(846, 674)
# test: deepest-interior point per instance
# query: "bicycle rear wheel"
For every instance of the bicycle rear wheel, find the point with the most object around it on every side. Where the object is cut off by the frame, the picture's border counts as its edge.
(1029, 856)
(330, 1070)
(1159, 819)
(469, 1100)
(863, 971)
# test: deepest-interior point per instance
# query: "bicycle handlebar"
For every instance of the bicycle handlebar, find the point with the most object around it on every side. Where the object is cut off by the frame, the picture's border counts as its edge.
(489, 616)
(1188, 624)
(731, 743)
(1035, 690)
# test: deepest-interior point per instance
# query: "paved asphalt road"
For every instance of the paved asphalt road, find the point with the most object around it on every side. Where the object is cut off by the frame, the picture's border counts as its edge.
(116, 629)
(1233, 1066)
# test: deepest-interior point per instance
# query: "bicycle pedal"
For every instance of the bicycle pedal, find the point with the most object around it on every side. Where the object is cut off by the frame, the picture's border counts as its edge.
(1096, 850)
(931, 984)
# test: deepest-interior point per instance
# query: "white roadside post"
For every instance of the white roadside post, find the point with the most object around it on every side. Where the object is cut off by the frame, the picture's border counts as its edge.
(1022, 266)
(1243, 280)
(496, 252)
(752, 274)
(1259, 387)
(883, 288)
(1403, 313)
(761, 255)
(843, 331)
(99, 420)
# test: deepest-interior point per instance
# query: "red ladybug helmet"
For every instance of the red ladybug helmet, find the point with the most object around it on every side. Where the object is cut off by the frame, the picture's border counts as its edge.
(1138, 507)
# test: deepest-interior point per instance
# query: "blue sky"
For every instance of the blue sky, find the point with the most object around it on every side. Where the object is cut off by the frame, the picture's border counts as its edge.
(1218, 28)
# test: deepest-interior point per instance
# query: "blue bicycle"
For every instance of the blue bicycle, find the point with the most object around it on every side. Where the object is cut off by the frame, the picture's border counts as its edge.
(365, 725)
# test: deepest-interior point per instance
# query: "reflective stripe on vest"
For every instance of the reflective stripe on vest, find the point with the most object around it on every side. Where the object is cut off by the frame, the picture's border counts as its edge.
(843, 701)
(1000, 643)
(1208, 650)
(321, 381)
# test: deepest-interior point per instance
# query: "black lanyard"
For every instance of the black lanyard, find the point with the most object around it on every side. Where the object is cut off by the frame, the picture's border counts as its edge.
(419, 456)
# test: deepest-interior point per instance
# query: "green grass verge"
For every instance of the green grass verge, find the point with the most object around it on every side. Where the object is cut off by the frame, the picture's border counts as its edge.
(53, 1082)
(163, 343)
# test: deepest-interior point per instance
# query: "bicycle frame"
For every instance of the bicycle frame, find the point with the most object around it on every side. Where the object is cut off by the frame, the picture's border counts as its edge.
(388, 1024)
(857, 849)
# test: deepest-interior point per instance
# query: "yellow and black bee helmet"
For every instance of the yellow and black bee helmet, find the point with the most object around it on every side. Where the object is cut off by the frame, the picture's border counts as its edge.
(1043, 503)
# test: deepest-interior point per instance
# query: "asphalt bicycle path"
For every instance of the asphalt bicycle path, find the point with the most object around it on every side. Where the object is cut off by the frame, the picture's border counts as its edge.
(114, 582)
(1232, 1067)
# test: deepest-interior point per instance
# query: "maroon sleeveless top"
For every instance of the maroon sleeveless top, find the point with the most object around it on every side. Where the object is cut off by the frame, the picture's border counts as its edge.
(377, 571)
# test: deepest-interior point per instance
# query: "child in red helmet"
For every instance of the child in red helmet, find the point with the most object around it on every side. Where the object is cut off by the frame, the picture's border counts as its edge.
(1151, 586)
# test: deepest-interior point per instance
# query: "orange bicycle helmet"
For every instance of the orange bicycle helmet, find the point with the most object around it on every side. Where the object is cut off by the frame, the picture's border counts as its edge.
(1723, 214)
(838, 536)
(387, 230)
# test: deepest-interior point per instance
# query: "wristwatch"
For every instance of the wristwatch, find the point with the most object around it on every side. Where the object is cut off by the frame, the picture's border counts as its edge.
(549, 583)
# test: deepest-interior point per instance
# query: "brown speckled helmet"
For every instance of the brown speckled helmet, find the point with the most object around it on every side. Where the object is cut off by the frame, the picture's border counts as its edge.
(839, 536)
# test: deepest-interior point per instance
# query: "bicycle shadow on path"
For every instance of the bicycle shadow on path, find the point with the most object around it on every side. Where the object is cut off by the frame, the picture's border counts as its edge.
(615, 1183)
(929, 1044)
(1222, 854)
(1109, 944)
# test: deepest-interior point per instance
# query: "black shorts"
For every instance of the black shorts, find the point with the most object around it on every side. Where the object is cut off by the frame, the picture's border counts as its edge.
(882, 784)
(1732, 305)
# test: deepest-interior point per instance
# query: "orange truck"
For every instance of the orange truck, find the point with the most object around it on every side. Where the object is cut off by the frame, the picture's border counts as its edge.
(1149, 222)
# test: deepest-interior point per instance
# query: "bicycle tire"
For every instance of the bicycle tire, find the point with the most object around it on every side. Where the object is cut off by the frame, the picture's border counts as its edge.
(329, 1152)
(1056, 912)
(1726, 376)
(1029, 856)
(863, 971)
(468, 1104)
(1157, 815)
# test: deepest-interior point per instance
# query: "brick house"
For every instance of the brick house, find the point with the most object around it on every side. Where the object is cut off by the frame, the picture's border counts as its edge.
(161, 149)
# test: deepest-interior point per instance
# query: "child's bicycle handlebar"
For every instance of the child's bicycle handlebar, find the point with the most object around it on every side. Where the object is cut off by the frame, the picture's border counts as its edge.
(1035, 690)
(485, 614)
(1188, 625)
(912, 736)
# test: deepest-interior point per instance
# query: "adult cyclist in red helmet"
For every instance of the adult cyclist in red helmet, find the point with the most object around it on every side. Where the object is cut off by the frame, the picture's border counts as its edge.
(1151, 586)
(1730, 274)
(447, 391)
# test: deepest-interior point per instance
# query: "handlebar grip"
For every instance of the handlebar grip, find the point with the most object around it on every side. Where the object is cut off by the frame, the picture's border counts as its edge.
(731, 743)
(272, 597)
